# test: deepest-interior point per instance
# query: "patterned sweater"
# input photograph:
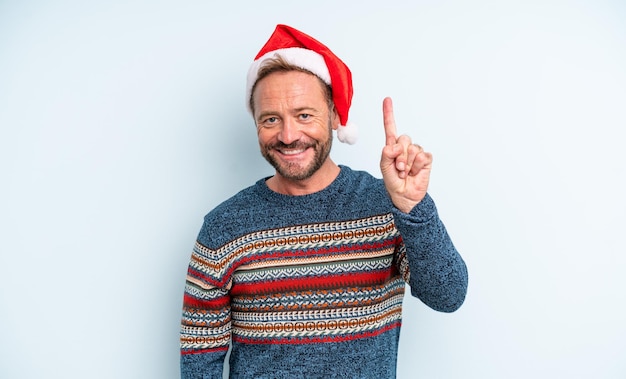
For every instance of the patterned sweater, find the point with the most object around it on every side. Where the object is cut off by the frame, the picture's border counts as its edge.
(312, 286)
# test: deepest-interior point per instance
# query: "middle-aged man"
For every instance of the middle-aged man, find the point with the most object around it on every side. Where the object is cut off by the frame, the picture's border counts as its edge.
(303, 273)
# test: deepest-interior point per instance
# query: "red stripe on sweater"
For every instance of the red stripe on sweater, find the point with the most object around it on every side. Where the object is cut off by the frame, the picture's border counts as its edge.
(327, 281)
(217, 303)
(203, 351)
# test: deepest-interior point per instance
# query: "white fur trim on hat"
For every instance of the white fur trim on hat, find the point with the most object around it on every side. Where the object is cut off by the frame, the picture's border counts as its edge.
(348, 133)
(303, 58)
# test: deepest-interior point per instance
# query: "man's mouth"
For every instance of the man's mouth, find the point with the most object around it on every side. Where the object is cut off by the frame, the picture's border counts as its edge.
(291, 151)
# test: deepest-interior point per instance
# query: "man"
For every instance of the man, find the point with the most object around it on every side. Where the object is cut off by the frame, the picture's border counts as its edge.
(303, 273)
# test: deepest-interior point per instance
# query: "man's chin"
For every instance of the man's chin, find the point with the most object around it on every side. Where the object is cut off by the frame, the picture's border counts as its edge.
(295, 170)
(294, 173)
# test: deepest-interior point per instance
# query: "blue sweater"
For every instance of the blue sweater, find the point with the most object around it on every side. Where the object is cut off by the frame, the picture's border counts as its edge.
(311, 286)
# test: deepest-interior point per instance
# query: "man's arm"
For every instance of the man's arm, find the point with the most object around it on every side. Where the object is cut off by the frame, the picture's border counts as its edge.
(205, 325)
(438, 274)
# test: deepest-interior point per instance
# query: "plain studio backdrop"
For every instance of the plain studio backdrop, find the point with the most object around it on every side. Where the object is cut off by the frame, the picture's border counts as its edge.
(123, 123)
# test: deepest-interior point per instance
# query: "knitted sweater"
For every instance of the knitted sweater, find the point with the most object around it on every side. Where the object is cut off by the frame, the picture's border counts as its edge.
(311, 286)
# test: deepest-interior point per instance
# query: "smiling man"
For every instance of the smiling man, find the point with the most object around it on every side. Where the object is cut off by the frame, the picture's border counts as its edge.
(302, 275)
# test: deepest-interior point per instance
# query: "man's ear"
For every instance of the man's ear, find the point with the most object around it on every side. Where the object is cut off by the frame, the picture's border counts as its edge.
(335, 119)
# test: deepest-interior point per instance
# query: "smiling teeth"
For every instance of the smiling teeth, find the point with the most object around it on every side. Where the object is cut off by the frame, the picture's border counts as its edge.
(292, 152)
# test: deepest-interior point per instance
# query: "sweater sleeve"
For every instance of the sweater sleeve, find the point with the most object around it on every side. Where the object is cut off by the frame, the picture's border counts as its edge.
(437, 273)
(206, 322)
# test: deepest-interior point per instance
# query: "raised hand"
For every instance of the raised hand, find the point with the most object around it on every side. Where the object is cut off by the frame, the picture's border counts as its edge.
(405, 166)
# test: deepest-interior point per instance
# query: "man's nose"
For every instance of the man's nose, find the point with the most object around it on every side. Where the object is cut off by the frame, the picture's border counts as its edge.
(290, 131)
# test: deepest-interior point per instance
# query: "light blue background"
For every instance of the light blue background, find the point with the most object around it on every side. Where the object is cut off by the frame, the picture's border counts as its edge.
(123, 123)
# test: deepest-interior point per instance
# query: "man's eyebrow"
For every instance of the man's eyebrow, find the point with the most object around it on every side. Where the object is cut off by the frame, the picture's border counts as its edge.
(301, 109)
(265, 114)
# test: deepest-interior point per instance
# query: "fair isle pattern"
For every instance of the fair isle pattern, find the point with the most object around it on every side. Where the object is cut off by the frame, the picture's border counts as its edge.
(294, 241)
(205, 320)
(318, 299)
(325, 282)
(298, 268)
(316, 325)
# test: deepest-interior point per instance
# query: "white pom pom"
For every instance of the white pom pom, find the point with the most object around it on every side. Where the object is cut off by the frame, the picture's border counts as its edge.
(348, 133)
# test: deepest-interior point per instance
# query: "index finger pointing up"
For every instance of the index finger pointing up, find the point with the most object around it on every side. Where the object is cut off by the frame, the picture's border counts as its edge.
(389, 122)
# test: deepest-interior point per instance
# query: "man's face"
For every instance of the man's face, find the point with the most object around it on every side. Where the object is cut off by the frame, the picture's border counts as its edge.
(294, 124)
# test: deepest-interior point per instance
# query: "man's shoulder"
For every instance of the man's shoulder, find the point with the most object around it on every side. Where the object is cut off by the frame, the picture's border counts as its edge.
(357, 174)
(232, 218)
(239, 202)
(363, 181)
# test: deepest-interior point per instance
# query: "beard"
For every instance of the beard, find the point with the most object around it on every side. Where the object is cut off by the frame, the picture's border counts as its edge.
(297, 171)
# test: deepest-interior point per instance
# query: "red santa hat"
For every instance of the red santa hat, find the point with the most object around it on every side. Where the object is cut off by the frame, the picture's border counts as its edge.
(306, 52)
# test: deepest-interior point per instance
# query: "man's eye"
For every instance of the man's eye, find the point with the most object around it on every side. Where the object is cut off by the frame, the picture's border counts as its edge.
(305, 116)
(271, 120)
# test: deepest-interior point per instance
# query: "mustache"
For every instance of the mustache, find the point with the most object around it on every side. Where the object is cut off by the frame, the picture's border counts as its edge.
(293, 145)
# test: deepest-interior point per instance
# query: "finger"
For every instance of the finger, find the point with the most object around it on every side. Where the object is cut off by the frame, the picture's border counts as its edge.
(388, 159)
(403, 143)
(389, 122)
(412, 152)
(423, 161)
(391, 153)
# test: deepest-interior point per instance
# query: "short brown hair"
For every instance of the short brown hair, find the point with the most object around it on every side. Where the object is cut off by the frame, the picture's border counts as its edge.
(278, 64)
